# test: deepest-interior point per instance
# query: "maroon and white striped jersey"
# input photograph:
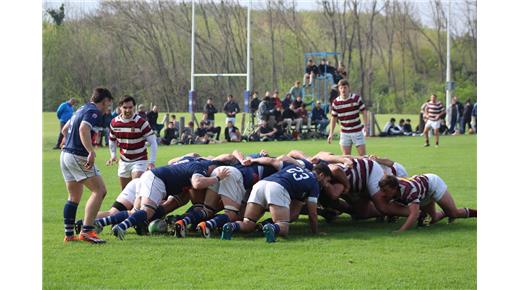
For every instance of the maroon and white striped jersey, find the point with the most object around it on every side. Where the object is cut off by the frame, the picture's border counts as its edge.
(434, 110)
(359, 174)
(130, 135)
(413, 189)
(347, 111)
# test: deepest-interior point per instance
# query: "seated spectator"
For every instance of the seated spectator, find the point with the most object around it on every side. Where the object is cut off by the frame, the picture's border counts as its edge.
(297, 103)
(232, 133)
(209, 111)
(263, 133)
(295, 91)
(391, 129)
(287, 101)
(443, 130)
(141, 112)
(301, 112)
(265, 109)
(170, 134)
(311, 71)
(152, 117)
(407, 128)
(319, 117)
(188, 134)
(326, 70)
(290, 117)
(201, 134)
(213, 132)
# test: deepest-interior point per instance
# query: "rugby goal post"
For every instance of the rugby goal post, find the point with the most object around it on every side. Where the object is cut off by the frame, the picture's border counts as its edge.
(247, 93)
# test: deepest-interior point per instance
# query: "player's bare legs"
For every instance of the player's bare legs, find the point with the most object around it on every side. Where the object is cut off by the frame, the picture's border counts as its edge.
(75, 190)
(361, 149)
(347, 150)
(96, 185)
(450, 209)
(436, 133)
(434, 214)
(426, 132)
(123, 181)
(252, 214)
(280, 216)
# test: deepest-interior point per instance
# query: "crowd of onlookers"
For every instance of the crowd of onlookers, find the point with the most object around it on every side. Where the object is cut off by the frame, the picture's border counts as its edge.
(273, 118)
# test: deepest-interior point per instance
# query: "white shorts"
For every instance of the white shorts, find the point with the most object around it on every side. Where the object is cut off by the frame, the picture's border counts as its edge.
(73, 167)
(433, 124)
(437, 186)
(373, 180)
(399, 169)
(230, 119)
(231, 186)
(125, 169)
(347, 139)
(130, 191)
(266, 192)
(152, 187)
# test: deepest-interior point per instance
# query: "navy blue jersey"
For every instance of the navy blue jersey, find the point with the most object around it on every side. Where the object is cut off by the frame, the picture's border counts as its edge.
(306, 163)
(299, 182)
(88, 114)
(253, 173)
(177, 176)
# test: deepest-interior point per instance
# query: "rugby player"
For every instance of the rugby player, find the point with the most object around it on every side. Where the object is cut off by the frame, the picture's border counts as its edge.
(347, 107)
(130, 132)
(173, 179)
(421, 193)
(78, 167)
(433, 111)
(390, 167)
(276, 193)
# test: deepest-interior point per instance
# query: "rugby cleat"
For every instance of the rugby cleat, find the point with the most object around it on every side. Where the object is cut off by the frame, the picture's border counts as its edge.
(77, 226)
(118, 232)
(227, 232)
(180, 229)
(269, 234)
(91, 237)
(424, 220)
(68, 239)
(141, 229)
(205, 232)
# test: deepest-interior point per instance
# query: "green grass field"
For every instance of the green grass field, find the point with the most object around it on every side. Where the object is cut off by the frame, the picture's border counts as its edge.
(352, 254)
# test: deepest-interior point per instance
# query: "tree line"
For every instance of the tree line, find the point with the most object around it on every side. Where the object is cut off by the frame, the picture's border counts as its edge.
(142, 48)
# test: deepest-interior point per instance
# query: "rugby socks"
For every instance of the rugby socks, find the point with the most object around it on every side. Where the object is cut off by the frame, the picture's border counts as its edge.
(470, 212)
(235, 227)
(276, 229)
(136, 218)
(194, 217)
(113, 219)
(217, 221)
(267, 221)
(69, 217)
(87, 229)
(159, 213)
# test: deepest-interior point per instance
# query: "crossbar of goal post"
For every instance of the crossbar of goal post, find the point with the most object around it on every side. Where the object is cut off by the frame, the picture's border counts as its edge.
(247, 92)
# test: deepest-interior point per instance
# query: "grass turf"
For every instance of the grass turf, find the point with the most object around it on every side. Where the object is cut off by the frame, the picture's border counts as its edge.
(352, 254)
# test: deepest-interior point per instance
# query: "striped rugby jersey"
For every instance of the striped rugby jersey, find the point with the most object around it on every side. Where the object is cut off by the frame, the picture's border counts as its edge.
(359, 174)
(347, 111)
(434, 110)
(413, 189)
(130, 135)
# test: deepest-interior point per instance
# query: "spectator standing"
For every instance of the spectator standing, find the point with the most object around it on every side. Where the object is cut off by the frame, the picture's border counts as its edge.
(64, 113)
(295, 91)
(253, 106)
(152, 117)
(434, 112)
(210, 110)
(232, 133)
(341, 73)
(231, 108)
(141, 112)
(346, 108)
(474, 118)
(456, 115)
(266, 109)
(320, 118)
(466, 117)
(422, 117)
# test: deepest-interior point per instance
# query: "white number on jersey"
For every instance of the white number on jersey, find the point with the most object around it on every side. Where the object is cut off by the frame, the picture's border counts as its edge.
(298, 173)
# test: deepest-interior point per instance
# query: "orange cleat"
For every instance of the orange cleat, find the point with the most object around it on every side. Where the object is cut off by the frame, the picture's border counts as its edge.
(91, 237)
(69, 239)
(204, 230)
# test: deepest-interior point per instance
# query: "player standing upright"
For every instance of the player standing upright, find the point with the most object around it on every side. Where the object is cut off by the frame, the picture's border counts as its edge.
(78, 168)
(130, 132)
(347, 107)
(433, 111)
